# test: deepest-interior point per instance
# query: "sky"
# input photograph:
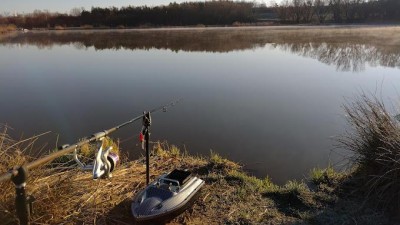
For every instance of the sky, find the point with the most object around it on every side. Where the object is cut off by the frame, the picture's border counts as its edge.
(63, 6)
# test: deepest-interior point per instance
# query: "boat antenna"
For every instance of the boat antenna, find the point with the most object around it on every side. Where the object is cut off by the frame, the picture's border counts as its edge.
(19, 174)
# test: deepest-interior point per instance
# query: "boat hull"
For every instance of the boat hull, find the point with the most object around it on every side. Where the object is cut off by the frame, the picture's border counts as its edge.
(157, 205)
(163, 218)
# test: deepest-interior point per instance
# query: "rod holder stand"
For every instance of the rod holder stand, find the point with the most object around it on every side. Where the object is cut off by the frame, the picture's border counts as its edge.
(23, 203)
(146, 130)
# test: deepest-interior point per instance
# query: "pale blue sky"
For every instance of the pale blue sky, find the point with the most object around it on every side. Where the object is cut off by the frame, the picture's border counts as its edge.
(25, 6)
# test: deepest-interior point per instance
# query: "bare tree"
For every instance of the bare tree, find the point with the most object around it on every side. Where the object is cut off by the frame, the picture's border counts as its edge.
(297, 10)
(321, 10)
(76, 11)
(283, 10)
(307, 11)
(336, 8)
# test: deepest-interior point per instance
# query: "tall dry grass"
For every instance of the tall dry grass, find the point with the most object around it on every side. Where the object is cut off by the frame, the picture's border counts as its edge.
(64, 193)
(375, 146)
(67, 195)
(7, 28)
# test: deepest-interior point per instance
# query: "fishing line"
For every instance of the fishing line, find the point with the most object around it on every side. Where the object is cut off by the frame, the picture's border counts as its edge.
(95, 137)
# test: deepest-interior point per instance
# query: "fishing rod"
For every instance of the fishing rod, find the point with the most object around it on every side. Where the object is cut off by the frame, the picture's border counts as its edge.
(96, 136)
(19, 174)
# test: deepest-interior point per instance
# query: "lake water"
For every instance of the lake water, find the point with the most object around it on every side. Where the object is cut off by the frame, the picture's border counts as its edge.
(269, 98)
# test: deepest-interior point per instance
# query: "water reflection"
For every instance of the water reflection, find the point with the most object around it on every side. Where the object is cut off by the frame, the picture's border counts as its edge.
(347, 49)
(346, 56)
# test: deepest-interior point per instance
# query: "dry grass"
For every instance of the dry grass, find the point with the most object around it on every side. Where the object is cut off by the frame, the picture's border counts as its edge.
(86, 26)
(230, 196)
(375, 146)
(58, 27)
(72, 197)
(7, 28)
(66, 195)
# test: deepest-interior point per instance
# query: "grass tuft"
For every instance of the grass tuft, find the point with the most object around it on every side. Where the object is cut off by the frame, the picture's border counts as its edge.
(174, 151)
(325, 176)
(252, 182)
(294, 187)
(218, 162)
(164, 150)
(374, 142)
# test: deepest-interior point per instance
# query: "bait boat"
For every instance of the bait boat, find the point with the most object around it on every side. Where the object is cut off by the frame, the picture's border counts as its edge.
(166, 197)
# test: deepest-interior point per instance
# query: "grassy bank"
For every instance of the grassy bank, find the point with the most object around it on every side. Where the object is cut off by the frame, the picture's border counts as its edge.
(7, 28)
(230, 196)
(366, 194)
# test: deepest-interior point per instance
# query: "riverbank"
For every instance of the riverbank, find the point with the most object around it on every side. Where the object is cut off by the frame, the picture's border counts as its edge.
(261, 25)
(7, 28)
(67, 195)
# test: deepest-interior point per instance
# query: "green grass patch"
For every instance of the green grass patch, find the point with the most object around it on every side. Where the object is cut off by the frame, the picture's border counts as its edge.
(251, 182)
(164, 150)
(219, 162)
(294, 187)
(324, 176)
(216, 158)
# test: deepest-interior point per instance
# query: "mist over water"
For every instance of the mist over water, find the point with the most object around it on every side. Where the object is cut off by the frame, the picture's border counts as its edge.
(268, 98)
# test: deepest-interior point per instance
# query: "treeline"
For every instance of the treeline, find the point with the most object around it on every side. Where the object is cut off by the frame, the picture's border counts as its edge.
(338, 11)
(184, 14)
(219, 12)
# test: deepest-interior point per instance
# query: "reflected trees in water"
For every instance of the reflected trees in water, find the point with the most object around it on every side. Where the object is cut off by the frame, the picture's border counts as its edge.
(345, 56)
(349, 49)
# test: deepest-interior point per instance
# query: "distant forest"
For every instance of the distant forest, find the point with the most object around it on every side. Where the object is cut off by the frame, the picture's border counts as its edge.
(338, 11)
(219, 12)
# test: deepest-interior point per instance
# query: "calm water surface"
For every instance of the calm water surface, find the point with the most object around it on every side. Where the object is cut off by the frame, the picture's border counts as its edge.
(267, 98)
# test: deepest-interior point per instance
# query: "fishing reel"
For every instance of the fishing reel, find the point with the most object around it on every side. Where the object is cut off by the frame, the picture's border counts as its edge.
(104, 162)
